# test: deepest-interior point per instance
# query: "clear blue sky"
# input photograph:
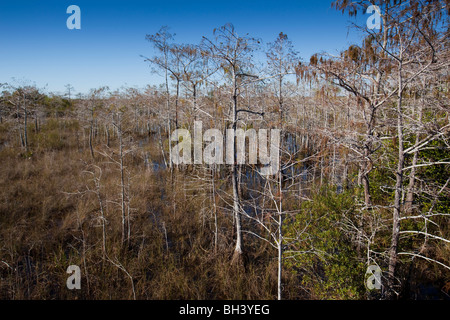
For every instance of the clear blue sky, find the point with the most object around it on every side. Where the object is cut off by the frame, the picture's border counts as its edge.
(35, 44)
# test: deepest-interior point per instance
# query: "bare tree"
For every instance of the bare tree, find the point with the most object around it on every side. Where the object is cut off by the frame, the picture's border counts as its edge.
(232, 53)
(161, 41)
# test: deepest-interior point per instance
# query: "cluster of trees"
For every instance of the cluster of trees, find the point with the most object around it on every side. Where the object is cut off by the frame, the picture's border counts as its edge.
(363, 176)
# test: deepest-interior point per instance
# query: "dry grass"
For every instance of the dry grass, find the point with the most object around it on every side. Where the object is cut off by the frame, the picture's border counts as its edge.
(49, 222)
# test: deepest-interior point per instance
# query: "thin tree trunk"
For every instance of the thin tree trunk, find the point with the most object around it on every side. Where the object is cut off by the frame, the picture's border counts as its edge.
(236, 206)
(280, 233)
(36, 125)
(25, 124)
(122, 180)
(176, 114)
(398, 194)
(412, 177)
(237, 214)
(213, 191)
(90, 142)
(107, 136)
(169, 130)
(128, 214)
(365, 177)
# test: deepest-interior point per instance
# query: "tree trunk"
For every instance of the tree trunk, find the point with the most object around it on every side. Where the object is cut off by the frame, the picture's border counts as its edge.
(393, 257)
(107, 136)
(122, 181)
(25, 124)
(36, 125)
(90, 142)
(238, 250)
(280, 233)
(365, 177)
(213, 195)
(412, 177)
(169, 131)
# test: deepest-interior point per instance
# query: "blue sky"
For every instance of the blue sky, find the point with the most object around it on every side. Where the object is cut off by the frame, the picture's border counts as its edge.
(36, 45)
